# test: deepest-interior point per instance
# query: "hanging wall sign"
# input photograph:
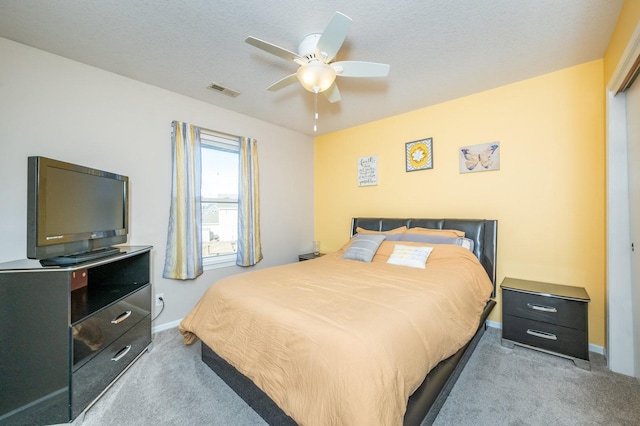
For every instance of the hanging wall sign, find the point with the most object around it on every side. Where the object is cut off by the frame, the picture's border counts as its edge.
(368, 171)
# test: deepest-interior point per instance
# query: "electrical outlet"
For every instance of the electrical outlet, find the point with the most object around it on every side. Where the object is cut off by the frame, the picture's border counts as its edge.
(159, 299)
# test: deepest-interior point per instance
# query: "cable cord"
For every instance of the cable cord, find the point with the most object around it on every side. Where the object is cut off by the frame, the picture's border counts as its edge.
(161, 309)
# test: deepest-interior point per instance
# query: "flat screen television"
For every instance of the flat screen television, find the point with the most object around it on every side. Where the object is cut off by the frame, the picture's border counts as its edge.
(74, 213)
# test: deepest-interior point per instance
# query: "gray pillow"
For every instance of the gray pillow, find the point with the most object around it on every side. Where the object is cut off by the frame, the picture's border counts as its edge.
(439, 239)
(364, 247)
(393, 237)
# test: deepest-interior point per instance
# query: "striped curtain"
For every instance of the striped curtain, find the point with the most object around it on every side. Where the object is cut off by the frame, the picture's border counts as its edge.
(183, 260)
(249, 246)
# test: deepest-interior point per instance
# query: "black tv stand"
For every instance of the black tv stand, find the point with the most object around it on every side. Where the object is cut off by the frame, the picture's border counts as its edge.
(69, 332)
(74, 259)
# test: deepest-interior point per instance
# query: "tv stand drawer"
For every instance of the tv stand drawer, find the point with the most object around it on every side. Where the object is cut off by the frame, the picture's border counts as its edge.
(95, 333)
(89, 381)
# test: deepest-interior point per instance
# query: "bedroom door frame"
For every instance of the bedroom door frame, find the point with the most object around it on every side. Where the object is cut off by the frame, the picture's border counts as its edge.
(623, 339)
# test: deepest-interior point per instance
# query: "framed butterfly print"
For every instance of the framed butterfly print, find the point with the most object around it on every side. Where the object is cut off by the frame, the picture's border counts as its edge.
(419, 155)
(479, 158)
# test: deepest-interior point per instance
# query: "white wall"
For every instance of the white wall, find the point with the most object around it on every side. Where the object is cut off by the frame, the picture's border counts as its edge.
(58, 108)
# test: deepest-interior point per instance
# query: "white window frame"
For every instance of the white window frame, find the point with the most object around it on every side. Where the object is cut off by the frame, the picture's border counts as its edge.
(209, 138)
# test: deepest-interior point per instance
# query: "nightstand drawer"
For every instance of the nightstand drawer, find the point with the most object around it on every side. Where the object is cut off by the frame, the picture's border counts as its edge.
(552, 310)
(550, 337)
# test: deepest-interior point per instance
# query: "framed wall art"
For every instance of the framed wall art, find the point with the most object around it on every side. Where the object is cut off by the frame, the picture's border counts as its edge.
(419, 155)
(368, 171)
(479, 158)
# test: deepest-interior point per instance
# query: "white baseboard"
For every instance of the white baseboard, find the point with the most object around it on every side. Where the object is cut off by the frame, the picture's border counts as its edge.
(494, 324)
(592, 348)
(166, 326)
(597, 349)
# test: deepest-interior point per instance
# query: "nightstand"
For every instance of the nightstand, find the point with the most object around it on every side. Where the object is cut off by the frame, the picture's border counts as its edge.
(547, 317)
(308, 256)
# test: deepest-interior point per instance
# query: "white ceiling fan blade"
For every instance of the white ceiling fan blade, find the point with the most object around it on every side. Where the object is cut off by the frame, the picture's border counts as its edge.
(360, 69)
(333, 36)
(290, 79)
(332, 93)
(275, 50)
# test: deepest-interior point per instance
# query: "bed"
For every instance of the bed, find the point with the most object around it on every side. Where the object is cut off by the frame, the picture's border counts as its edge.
(285, 341)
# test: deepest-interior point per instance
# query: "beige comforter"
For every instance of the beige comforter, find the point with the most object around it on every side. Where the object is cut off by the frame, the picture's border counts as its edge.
(341, 342)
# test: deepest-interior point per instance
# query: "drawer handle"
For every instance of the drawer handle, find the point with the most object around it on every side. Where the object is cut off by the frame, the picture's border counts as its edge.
(123, 316)
(541, 308)
(542, 334)
(122, 353)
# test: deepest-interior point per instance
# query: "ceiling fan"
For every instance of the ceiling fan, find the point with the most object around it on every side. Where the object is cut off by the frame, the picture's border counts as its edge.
(317, 72)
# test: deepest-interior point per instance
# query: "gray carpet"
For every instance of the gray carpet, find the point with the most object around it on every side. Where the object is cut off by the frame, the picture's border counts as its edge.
(520, 386)
(499, 386)
(170, 386)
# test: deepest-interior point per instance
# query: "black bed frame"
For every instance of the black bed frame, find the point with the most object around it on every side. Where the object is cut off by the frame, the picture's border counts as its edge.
(425, 403)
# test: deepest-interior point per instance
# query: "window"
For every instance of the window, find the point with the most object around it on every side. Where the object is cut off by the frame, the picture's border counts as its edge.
(220, 164)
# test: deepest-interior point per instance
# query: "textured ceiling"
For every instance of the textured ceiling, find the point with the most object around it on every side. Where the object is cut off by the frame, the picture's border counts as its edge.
(438, 49)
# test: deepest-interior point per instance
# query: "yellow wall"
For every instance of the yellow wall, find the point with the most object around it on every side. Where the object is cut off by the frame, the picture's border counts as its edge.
(548, 196)
(627, 22)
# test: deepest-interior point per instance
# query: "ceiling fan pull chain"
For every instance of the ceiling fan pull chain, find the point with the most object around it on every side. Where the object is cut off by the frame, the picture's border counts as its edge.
(315, 123)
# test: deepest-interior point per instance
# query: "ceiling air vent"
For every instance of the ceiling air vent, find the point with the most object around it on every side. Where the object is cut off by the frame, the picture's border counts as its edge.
(224, 90)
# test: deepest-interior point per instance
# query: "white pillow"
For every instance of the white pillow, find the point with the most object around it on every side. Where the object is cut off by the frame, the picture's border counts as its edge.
(415, 257)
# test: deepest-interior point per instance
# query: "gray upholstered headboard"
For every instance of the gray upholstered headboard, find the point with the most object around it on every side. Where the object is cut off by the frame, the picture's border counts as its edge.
(484, 234)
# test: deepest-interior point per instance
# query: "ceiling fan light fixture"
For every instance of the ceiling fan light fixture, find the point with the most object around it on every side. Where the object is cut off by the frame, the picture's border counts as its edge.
(316, 76)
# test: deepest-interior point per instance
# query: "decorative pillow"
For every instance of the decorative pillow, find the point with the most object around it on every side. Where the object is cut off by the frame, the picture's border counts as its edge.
(439, 239)
(386, 249)
(441, 232)
(398, 230)
(364, 247)
(415, 257)
(392, 234)
(467, 243)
